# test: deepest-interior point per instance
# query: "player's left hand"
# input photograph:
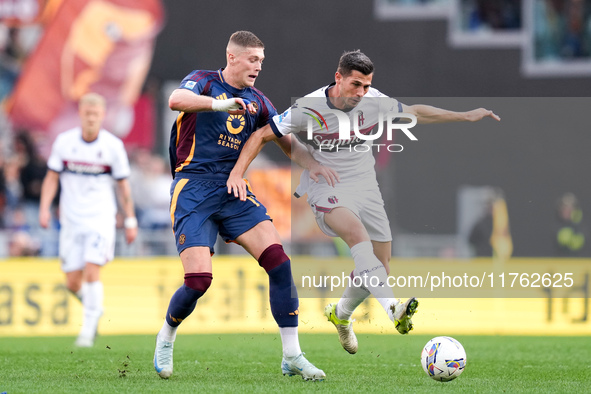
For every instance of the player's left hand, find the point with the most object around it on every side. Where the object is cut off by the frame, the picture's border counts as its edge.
(236, 185)
(331, 175)
(130, 234)
(480, 113)
(251, 108)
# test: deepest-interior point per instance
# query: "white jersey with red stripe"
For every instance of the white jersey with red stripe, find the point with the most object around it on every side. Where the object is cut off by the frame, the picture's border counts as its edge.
(87, 170)
(313, 120)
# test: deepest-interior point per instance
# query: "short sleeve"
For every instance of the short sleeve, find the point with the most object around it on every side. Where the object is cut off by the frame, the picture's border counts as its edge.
(120, 166)
(388, 104)
(55, 162)
(289, 122)
(195, 81)
(267, 111)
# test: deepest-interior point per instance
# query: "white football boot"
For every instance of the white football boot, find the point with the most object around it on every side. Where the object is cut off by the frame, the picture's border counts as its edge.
(298, 365)
(83, 341)
(344, 328)
(163, 358)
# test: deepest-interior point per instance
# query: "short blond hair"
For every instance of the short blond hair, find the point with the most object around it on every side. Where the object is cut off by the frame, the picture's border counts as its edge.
(92, 99)
(245, 39)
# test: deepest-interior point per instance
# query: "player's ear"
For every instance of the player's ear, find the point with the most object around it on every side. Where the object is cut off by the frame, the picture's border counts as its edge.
(230, 57)
(338, 77)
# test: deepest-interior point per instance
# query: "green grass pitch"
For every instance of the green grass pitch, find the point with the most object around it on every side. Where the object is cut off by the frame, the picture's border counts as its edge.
(251, 363)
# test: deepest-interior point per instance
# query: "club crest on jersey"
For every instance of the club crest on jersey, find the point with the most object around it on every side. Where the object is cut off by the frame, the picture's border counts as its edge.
(255, 105)
(182, 239)
(235, 123)
(333, 199)
(360, 118)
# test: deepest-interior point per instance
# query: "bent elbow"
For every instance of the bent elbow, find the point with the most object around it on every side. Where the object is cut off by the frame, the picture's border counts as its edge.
(173, 103)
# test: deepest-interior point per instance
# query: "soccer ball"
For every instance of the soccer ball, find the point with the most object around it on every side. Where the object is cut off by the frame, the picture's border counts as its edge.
(443, 359)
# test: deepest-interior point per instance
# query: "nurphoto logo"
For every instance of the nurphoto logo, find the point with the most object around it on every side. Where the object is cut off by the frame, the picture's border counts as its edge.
(330, 141)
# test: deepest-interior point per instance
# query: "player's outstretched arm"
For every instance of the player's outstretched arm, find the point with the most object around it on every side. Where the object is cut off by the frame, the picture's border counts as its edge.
(427, 114)
(250, 150)
(48, 191)
(297, 151)
(187, 101)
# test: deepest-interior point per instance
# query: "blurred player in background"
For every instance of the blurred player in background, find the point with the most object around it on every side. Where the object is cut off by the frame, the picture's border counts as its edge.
(350, 207)
(84, 161)
(571, 232)
(219, 111)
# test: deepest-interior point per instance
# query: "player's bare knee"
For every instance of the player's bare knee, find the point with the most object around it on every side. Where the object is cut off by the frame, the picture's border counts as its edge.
(352, 233)
(198, 281)
(73, 286)
(356, 237)
(74, 283)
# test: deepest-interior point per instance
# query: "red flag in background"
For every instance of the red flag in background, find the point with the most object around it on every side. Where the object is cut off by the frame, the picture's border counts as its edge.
(103, 46)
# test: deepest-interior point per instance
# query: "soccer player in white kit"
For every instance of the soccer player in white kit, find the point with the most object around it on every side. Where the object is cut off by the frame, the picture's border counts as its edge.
(348, 203)
(84, 161)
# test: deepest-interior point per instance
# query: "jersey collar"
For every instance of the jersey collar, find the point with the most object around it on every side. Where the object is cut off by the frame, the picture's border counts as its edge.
(329, 103)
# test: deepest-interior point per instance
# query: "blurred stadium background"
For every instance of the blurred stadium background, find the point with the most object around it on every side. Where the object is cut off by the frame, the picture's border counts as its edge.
(528, 60)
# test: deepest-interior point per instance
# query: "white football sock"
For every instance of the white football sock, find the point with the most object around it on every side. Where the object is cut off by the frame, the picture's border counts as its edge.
(290, 341)
(167, 332)
(92, 302)
(352, 297)
(373, 273)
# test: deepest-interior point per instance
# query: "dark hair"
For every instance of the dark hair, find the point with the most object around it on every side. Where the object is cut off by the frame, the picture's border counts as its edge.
(355, 61)
(246, 39)
(24, 137)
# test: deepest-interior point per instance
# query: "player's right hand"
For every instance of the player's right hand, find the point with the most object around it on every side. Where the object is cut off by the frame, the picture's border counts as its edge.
(233, 106)
(330, 174)
(242, 105)
(237, 185)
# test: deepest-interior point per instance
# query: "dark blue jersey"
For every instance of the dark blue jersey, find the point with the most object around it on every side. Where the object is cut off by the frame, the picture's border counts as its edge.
(207, 144)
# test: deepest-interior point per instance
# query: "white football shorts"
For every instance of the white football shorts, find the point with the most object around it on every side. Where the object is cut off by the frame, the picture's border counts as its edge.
(368, 205)
(80, 246)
